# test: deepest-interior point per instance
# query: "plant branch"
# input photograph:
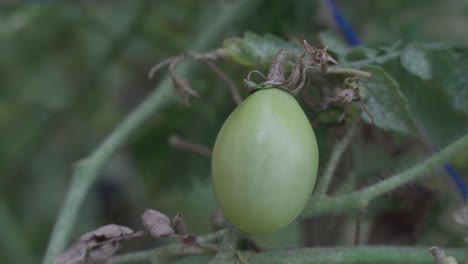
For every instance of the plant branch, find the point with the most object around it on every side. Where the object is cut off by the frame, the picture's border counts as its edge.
(339, 70)
(328, 255)
(360, 199)
(89, 168)
(178, 142)
(231, 85)
(350, 255)
(228, 247)
(334, 159)
(173, 250)
(395, 54)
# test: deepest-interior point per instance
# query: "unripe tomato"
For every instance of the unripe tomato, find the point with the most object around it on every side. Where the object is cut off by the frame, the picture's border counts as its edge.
(264, 162)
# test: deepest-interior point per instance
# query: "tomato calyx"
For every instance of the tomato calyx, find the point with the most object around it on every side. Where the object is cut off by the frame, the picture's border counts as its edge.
(311, 59)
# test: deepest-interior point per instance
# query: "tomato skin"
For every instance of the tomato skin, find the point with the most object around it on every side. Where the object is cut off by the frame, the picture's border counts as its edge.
(264, 162)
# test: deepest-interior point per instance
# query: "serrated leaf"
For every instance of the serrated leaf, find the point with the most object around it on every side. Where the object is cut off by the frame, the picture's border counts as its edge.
(456, 85)
(414, 60)
(385, 102)
(334, 42)
(255, 50)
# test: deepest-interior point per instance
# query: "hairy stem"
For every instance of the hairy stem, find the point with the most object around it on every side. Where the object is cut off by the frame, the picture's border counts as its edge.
(172, 251)
(350, 255)
(88, 169)
(360, 199)
(395, 54)
(228, 246)
(329, 255)
(334, 159)
(339, 70)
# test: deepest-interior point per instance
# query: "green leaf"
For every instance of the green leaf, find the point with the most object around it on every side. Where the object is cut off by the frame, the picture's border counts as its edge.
(334, 42)
(255, 50)
(456, 85)
(414, 60)
(361, 53)
(385, 102)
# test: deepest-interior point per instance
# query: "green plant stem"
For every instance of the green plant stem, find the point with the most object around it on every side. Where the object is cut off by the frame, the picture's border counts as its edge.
(330, 255)
(395, 54)
(227, 248)
(338, 150)
(350, 255)
(89, 168)
(171, 251)
(339, 70)
(360, 199)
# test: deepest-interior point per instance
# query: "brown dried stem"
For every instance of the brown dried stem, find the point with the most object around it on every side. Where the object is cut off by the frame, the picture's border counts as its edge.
(231, 85)
(178, 142)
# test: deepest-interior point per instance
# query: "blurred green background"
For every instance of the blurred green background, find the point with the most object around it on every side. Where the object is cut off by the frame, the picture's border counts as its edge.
(69, 72)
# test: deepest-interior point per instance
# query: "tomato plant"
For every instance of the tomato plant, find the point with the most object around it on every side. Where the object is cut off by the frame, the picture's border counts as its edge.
(264, 162)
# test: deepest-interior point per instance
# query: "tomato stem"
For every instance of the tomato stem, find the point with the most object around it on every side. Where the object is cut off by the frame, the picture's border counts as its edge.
(333, 161)
(320, 205)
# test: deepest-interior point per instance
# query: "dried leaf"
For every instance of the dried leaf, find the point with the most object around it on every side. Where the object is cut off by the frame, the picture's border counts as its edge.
(178, 224)
(76, 254)
(97, 245)
(157, 224)
(184, 89)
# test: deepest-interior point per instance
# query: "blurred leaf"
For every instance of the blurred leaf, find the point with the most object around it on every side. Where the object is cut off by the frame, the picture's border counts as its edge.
(414, 60)
(386, 103)
(334, 42)
(255, 50)
(456, 84)
(361, 53)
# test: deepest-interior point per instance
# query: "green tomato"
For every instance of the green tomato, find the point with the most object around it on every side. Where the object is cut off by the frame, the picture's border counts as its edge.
(264, 162)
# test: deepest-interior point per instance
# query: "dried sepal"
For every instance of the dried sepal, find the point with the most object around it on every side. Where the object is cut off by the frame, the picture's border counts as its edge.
(318, 56)
(178, 225)
(97, 245)
(251, 85)
(182, 87)
(278, 68)
(295, 77)
(351, 93)
(157, 224)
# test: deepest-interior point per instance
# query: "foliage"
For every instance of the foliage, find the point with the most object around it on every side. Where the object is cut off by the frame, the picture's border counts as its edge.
(75, 97)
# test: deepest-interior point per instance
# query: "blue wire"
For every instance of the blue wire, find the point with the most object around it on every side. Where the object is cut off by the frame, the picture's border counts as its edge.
(457, 179)
(343, 24)
(354, 40)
